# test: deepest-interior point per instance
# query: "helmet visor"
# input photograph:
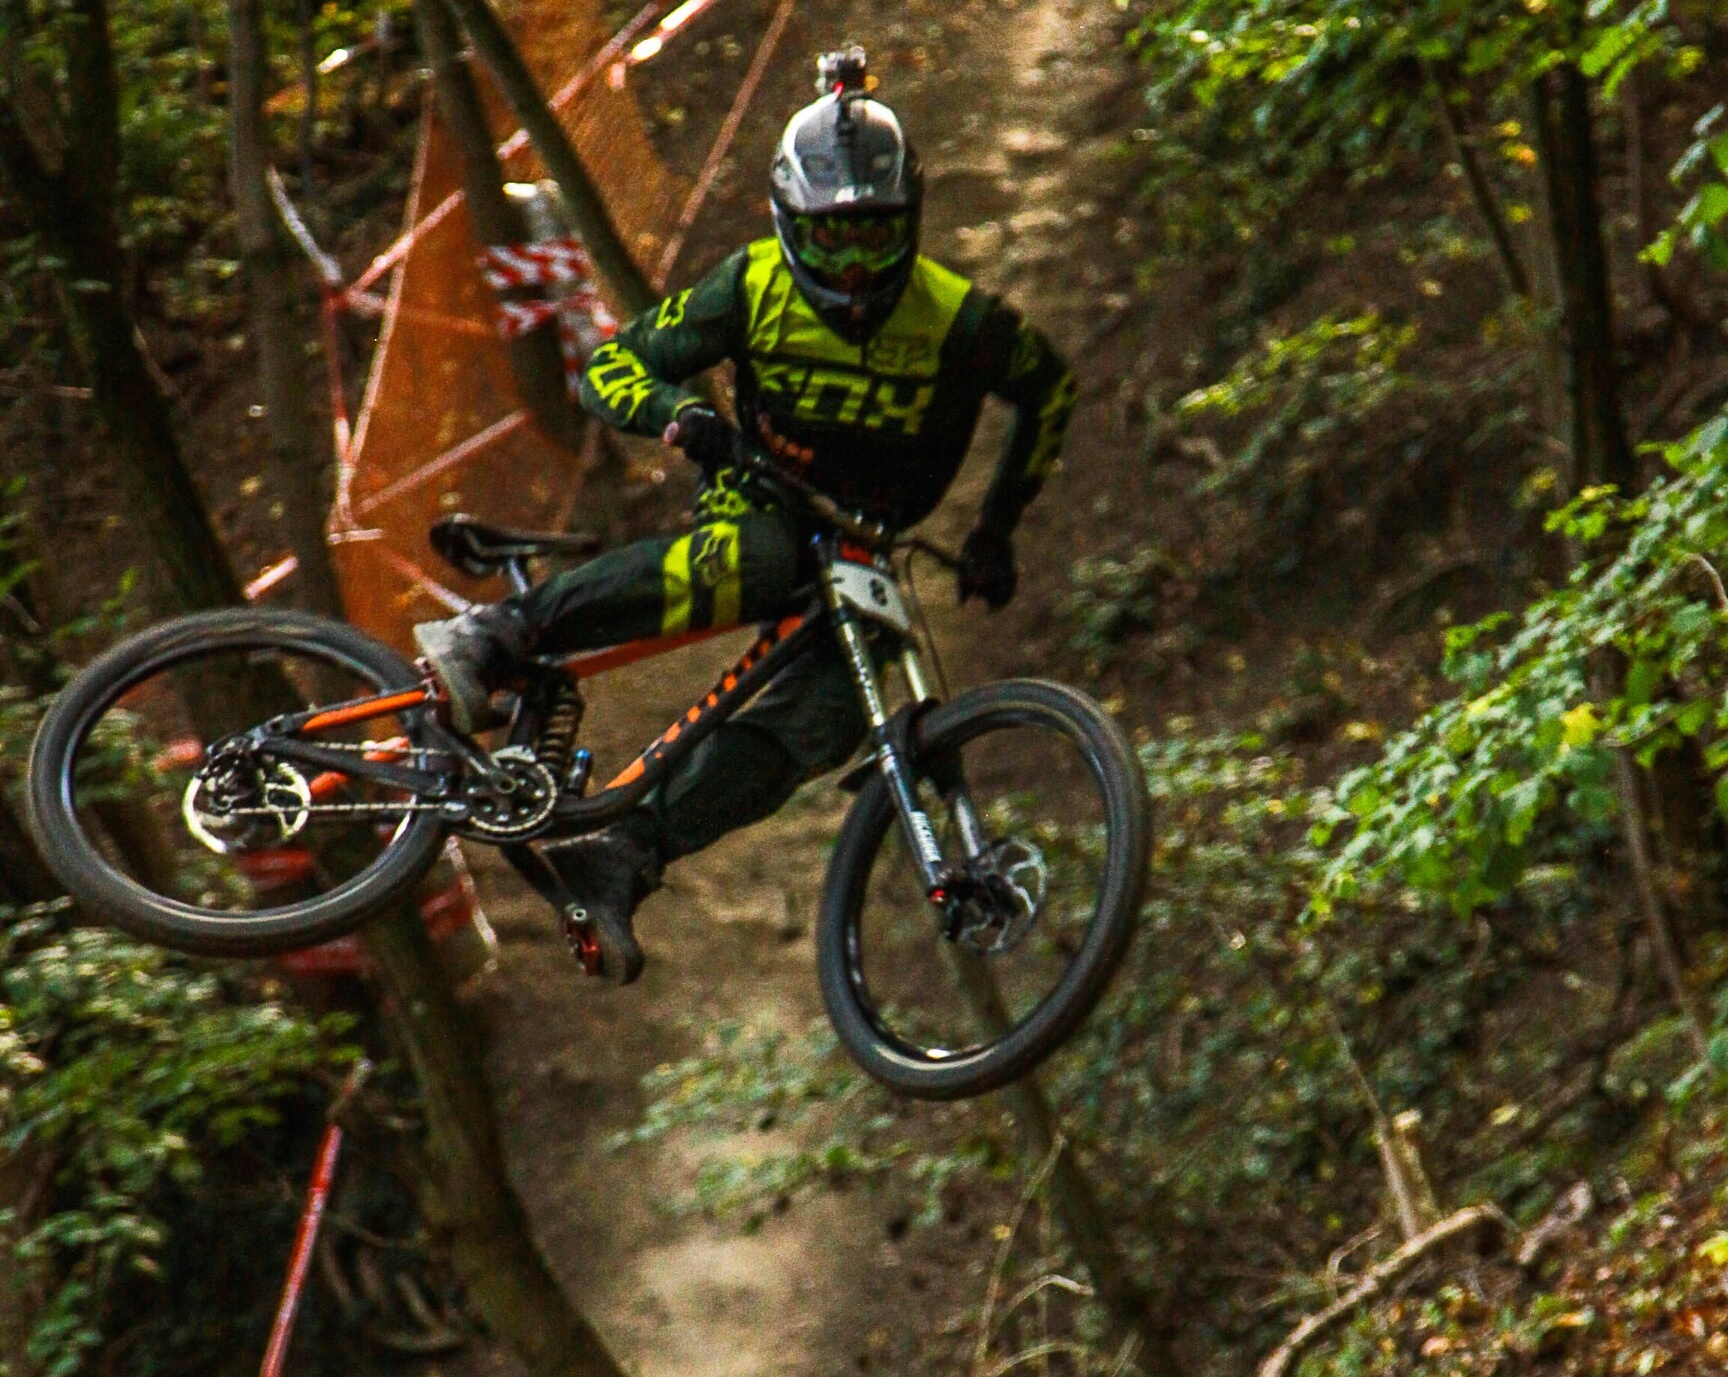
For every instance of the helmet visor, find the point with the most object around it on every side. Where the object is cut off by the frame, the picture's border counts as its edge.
(852, 253)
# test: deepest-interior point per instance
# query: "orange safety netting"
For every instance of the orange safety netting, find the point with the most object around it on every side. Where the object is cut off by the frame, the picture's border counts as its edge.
(442, 427)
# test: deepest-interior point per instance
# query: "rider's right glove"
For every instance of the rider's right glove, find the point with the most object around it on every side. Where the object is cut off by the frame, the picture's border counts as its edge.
(987, 567)
(707, 437)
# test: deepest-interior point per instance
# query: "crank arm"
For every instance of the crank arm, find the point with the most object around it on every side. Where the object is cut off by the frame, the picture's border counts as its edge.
(355, 765)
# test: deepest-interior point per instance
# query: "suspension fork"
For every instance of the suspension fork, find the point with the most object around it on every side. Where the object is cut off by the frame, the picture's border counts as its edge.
(954, 791)
(891, 759)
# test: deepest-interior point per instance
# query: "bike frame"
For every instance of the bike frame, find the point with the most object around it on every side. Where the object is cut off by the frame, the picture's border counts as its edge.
(776, 646)
(856, 587)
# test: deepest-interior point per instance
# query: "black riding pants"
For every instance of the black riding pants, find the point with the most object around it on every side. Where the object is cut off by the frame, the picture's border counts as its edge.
(741, 563)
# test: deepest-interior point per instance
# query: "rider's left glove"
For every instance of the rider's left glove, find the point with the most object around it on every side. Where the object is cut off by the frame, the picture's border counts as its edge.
(987, 567)
(706, 436)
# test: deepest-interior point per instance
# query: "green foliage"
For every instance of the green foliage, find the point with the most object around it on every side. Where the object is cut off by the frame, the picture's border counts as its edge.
(1111, 599)
(1455, 806)
(1252, 104)
(171, 132)
(828, 1122)
(125, 1071)
(128, 1079)
(171, 58)
(1703, 220)
(1314, 390)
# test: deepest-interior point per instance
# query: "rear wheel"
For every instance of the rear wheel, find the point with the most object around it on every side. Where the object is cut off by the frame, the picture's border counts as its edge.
(243, 858)
(1042, 814)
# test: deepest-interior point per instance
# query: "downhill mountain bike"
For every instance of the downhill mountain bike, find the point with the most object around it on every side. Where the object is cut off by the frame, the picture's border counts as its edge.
(983, 888)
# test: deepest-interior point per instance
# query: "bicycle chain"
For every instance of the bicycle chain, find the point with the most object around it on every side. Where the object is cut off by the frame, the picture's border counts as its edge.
(418, 754)
(326, 808)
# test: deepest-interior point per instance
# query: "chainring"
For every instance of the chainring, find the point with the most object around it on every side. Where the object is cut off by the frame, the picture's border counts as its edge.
(519, 811)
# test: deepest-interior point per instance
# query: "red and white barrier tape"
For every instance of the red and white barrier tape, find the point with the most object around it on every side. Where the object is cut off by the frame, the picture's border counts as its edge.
(583, 320)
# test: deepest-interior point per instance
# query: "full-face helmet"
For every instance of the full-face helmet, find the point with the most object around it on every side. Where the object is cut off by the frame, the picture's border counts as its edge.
(847, 191)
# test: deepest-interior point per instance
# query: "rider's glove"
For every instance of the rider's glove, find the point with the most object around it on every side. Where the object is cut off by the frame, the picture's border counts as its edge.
(707, 437)
(987, 567)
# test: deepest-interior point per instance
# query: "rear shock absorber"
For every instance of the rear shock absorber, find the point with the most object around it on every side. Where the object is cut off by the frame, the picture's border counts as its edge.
(556, 748)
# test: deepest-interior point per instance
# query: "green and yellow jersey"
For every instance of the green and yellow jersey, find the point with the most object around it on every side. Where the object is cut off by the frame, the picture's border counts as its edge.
(889, 421)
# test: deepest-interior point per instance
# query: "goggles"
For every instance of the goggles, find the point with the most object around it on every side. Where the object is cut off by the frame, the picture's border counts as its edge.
(849, 252)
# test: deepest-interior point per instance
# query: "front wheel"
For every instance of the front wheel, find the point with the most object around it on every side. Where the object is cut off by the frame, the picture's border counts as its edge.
(142, 829)
(1040, 806)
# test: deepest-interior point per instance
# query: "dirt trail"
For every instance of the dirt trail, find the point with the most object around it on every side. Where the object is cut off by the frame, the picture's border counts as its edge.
(991, 91)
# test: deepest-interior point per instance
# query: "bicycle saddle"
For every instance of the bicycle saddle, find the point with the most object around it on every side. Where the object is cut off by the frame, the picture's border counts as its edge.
(480, 549)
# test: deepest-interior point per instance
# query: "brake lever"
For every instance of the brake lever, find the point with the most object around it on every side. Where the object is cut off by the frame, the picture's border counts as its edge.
(871, 533)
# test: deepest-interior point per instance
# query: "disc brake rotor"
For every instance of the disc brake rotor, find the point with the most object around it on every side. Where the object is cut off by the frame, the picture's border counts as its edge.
(1012, 879)
(207, 806)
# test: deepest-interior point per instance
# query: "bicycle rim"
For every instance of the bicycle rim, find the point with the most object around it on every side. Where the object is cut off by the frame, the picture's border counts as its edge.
(934, 1001)
(135, 825)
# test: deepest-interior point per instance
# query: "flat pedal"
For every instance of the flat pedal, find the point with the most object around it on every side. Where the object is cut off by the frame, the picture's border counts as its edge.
(579, 935)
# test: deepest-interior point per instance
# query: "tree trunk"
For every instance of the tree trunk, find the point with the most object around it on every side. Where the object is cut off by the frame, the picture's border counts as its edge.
(535, 359)
(63, 183)
(468, 1198)
(1072, 1199)
(612, 258)
(297, 449)
(1641, 203)
(305, 16)
(1600, 450)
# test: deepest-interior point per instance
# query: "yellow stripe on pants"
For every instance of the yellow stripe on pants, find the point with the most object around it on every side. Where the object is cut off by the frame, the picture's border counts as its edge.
(729, 591)
(675, 575)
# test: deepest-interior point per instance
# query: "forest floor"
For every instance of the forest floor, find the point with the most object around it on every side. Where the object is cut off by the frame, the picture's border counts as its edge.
(1000, 98)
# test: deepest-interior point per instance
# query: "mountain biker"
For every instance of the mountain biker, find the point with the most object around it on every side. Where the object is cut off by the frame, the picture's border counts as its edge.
(860, 364)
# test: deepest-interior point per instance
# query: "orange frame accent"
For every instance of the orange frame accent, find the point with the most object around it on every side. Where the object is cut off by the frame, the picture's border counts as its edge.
(588, 663)
(331, 780)
(636, 768)
(366, 710)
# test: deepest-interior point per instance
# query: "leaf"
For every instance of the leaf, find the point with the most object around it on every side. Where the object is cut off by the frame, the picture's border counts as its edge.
(1714, 1250)
(1580, 726)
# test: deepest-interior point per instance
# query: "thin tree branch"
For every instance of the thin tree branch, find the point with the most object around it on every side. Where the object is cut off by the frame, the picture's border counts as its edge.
(1715, 579)
(599, 231)
(1448, 89)
(1284, 1358)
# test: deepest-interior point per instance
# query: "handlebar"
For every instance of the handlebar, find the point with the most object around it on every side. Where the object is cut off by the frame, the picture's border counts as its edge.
(873, 535)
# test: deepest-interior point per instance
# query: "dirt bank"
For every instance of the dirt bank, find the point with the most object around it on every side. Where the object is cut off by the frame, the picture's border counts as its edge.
(1002, 99)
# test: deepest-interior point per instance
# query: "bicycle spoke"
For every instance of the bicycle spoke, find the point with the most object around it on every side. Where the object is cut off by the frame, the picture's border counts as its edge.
(232, 829)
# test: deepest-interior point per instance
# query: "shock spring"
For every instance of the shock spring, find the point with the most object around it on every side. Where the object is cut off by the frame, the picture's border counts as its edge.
(557, 743)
